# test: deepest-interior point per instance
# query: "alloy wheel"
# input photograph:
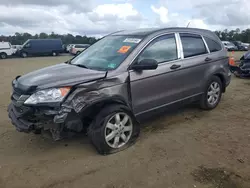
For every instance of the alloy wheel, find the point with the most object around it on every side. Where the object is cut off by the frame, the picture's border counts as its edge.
(213, 94)
(118, 130)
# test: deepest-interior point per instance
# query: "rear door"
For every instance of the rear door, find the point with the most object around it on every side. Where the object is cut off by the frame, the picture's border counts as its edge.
(195, 62)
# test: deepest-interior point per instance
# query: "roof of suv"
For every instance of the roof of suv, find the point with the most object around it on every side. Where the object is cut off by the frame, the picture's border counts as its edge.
(146, 32)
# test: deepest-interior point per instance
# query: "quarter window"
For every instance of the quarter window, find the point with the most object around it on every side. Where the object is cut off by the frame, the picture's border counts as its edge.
(193, 45)
(212, 45)
(162, 49)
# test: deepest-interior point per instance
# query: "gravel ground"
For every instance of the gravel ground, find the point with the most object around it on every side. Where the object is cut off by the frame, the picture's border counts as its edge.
(187, 148)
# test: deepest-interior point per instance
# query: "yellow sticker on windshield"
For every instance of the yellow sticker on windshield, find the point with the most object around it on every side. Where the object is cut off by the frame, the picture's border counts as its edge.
(124, 49)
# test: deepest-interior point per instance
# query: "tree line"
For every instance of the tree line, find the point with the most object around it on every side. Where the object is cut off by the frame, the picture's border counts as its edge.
(21, 38)
(234, 35)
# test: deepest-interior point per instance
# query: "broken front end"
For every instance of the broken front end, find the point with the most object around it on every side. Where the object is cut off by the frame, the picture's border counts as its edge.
(61, 111)
(29, 114)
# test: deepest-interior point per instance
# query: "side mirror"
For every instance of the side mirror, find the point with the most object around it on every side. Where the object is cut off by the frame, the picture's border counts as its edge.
(145, 64)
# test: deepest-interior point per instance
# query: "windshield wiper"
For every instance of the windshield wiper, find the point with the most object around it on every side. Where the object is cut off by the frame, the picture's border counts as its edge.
(79, 65)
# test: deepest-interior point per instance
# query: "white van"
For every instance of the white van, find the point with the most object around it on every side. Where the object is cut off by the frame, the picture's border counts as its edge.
(6, 50)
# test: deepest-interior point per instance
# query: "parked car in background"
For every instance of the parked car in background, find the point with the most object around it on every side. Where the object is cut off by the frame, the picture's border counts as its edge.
(64, 48)
(229, 46)
(35, 47)
(18, 47)
(242, 70)
(68, 48)
(240, 45)
(78, 48)
(6, 50)
(119, 80)
(246, 45)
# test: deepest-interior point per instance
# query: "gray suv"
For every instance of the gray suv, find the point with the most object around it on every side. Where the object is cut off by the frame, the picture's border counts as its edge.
(121, 79)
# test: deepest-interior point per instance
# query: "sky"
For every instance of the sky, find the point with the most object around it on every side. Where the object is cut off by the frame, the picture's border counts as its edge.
(100, 17)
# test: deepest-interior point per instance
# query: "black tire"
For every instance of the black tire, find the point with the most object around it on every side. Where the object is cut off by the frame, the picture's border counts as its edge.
(3, 55)
(77, 53)
(54, 53)
(204, 104)
(24, 55)
(96, 130)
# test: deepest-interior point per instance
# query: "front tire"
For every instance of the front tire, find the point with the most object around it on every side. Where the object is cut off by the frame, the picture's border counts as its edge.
(24, 55)
(113, 129)
(212, 95)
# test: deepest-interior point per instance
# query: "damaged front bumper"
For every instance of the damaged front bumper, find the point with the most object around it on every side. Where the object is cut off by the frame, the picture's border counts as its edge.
(16, 119)
(61, 122)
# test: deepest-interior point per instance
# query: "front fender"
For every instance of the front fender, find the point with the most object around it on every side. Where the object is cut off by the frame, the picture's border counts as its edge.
(82, 98)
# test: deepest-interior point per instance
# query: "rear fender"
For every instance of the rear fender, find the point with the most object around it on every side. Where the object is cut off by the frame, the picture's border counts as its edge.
(221, 71)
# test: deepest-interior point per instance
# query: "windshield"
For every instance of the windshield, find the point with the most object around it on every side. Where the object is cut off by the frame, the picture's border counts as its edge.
(25, 43)
(108, 53)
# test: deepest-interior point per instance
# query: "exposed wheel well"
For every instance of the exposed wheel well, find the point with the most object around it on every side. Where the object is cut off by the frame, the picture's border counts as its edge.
(3, 53)
(90, 112)
(223, 81)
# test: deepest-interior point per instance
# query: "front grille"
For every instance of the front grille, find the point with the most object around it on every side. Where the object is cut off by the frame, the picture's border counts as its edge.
(18, 98)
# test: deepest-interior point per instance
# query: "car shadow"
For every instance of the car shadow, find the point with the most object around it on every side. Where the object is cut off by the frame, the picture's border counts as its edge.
(164, 119)
(151, 124)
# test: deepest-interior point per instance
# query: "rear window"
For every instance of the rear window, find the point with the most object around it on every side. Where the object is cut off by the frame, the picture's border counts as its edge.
(192, 44)
(212, 45)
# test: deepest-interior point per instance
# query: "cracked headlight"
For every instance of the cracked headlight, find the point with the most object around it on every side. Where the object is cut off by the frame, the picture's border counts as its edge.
(48, 95)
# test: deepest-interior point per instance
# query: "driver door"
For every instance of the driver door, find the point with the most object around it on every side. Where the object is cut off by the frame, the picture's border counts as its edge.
(152, 89)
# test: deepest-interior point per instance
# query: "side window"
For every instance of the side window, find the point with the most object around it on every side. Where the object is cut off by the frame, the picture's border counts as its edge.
(27, 45)
(162, 49)
(193, 45)
(212, 45)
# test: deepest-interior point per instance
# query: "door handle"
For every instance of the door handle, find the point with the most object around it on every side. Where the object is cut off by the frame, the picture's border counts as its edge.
(208, 59)
(174, 66)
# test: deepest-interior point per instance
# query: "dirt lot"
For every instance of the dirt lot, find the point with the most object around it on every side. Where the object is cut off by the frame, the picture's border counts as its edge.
(188, 148)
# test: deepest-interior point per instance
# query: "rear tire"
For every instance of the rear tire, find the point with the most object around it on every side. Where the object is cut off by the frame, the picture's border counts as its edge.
(212, 94)
(77, 53)
(108, 135)
(54, 53)
(3, 55)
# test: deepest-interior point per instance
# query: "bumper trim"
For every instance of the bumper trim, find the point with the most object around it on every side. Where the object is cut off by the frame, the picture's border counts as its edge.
(20, 124)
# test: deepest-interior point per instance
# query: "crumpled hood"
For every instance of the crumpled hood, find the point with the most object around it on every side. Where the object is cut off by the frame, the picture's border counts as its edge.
(57, 75)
